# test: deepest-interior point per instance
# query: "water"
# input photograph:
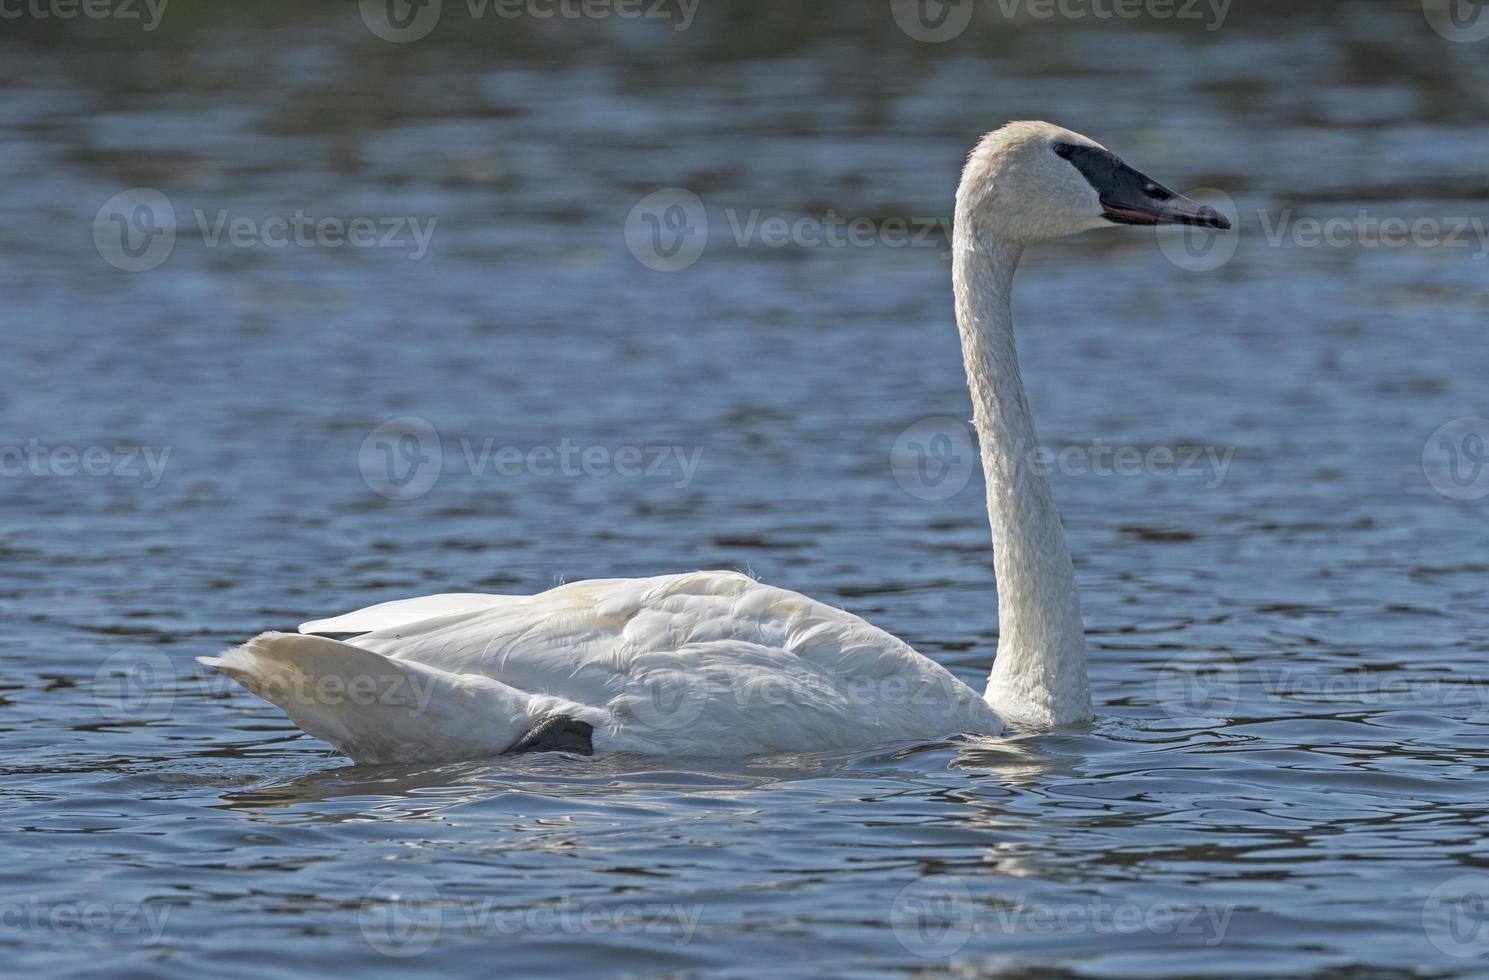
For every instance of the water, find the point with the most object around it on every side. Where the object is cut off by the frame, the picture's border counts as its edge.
(1287, 637)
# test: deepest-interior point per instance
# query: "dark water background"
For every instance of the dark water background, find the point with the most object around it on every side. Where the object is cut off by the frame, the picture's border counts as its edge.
(1288, 773)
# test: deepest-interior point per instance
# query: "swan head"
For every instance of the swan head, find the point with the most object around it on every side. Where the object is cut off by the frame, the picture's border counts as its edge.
(1032, 181)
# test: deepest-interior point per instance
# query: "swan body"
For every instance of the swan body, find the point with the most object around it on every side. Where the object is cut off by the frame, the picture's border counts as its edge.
(715, 663)
(709, 663)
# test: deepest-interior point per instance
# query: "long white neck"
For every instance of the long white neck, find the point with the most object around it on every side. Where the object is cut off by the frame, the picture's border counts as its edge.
(1039, 677)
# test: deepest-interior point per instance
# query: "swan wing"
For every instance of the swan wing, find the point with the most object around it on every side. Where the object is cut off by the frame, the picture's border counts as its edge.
(404, 612)
(710, 663)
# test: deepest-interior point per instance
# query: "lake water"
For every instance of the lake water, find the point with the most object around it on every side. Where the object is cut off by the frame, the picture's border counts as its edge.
(1282, 554)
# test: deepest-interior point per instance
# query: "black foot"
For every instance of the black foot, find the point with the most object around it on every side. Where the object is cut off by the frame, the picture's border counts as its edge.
(556, 733)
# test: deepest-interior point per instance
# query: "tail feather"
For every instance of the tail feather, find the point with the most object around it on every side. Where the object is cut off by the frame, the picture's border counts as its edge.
(379, 710)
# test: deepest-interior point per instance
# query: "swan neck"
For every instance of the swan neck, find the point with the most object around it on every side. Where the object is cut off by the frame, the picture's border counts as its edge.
(1039, 677)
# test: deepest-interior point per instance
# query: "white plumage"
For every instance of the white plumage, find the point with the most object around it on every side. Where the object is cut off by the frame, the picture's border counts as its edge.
(711, 663)
(715, 663)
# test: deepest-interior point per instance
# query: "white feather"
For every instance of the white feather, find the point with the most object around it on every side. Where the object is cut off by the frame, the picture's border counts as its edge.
(715, 663)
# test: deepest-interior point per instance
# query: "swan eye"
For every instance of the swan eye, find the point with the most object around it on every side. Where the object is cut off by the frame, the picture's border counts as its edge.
(1064, 150)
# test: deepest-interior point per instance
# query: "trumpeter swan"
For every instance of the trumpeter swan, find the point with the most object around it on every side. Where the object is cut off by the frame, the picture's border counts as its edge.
(715, 663)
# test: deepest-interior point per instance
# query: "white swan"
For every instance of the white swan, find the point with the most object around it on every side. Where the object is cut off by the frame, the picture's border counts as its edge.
(715, 663)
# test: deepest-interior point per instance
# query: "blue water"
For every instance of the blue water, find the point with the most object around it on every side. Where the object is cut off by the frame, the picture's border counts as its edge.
(1287, 633)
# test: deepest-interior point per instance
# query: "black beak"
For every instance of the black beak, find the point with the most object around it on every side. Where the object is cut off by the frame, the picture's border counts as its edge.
(1130, 197)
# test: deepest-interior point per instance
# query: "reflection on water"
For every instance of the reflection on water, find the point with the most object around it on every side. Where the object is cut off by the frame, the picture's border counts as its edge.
(1287, 638)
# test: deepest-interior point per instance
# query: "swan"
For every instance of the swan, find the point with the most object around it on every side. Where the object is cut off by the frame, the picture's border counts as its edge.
(717, 663)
